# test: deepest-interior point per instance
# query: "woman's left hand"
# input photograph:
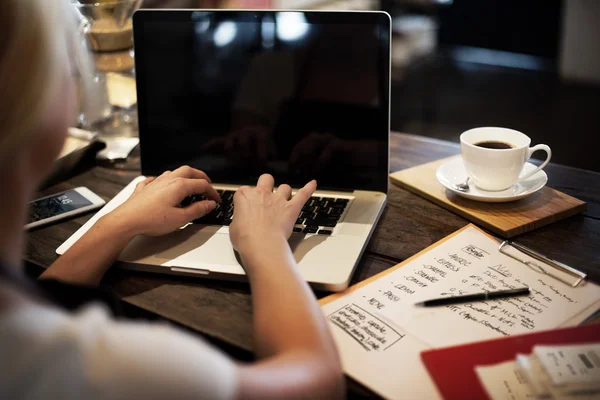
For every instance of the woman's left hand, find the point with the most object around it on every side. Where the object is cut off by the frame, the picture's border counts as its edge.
(154, 207)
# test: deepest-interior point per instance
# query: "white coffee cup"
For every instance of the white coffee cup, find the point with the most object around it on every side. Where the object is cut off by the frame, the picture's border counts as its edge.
(498, 169)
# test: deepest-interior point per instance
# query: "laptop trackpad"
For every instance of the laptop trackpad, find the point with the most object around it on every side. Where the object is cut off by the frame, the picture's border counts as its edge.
(190, 245)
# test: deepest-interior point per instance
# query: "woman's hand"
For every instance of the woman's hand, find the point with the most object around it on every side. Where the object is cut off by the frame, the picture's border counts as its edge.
(261, 215)
(153, 208)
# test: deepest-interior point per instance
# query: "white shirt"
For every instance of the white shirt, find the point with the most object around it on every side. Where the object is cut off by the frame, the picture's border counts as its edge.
(46, 353)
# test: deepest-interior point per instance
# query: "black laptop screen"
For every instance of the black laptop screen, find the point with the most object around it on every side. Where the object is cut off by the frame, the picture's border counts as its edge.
(300, 95)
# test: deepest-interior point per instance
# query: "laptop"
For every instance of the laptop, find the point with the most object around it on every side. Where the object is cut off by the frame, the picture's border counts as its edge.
(300, 95)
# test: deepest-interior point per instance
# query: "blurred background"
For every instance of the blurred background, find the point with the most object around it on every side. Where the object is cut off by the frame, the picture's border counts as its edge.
(529, 65)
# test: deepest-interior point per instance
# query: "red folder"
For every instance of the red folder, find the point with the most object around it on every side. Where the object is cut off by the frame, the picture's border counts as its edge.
(453, 368)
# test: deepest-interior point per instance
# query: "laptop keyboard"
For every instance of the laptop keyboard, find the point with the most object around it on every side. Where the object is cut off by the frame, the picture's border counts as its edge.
(319, 215)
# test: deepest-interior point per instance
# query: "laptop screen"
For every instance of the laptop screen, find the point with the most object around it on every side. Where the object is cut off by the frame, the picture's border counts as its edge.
(300, 95)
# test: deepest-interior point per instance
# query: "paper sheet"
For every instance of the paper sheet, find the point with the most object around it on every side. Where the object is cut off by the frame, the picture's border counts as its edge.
(572, 364)
(466, 263)
(551, 372)
(504, 381)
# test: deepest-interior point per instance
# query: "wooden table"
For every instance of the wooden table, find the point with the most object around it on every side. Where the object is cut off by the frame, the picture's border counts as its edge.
(222, 311)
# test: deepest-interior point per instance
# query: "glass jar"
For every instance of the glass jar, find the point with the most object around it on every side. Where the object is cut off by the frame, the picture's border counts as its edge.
(106, 29)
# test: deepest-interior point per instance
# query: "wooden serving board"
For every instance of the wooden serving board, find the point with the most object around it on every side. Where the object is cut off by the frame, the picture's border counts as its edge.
(506, 219)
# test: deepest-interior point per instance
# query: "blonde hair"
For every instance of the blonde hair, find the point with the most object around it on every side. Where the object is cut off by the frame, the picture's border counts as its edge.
(34, 61)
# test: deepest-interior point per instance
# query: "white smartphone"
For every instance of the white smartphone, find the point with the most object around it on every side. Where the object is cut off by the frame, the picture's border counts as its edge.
(61, 206)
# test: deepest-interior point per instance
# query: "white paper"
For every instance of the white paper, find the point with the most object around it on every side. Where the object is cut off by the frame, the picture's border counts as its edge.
(524, 379)
(467, 263)
(380, 354)
(540, 380)
(535, 375)
(571, 364)
(504, 381)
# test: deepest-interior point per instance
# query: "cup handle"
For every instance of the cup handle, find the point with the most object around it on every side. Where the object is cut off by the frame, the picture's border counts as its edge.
(529, 153)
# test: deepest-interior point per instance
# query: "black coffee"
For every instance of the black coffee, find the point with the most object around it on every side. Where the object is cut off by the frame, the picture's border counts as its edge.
(492, 144)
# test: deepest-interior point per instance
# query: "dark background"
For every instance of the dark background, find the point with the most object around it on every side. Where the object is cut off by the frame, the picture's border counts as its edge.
(442, 95)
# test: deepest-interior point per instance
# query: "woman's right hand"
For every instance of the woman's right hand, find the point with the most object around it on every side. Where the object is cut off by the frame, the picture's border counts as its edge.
(262, 216)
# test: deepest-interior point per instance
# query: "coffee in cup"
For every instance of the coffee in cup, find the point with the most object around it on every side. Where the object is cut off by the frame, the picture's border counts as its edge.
(494, 157)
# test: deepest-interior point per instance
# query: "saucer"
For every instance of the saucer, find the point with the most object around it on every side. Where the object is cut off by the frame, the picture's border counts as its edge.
(453, 172)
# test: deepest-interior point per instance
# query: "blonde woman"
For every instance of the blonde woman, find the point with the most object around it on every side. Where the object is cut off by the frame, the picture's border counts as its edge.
(50, 353)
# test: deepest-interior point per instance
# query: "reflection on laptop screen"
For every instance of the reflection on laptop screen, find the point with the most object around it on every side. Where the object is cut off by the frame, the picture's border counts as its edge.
(300, 95)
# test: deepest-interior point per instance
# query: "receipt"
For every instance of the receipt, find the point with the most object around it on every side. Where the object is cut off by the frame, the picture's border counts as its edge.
(571, 364)
(504, 381)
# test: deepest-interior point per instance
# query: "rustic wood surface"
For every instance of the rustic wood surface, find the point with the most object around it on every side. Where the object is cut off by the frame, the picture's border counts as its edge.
(505, 219)
(222, 310)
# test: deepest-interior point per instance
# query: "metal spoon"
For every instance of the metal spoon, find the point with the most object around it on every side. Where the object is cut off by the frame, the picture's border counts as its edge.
(463, 187)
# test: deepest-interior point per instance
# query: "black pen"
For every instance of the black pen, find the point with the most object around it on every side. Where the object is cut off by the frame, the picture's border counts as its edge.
(467, 298)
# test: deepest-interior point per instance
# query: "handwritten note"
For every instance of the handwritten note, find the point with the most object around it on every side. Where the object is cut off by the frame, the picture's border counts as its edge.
(381, 317)
(369, 331)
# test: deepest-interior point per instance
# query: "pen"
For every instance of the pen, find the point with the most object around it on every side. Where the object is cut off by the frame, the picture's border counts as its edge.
(475, 297)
